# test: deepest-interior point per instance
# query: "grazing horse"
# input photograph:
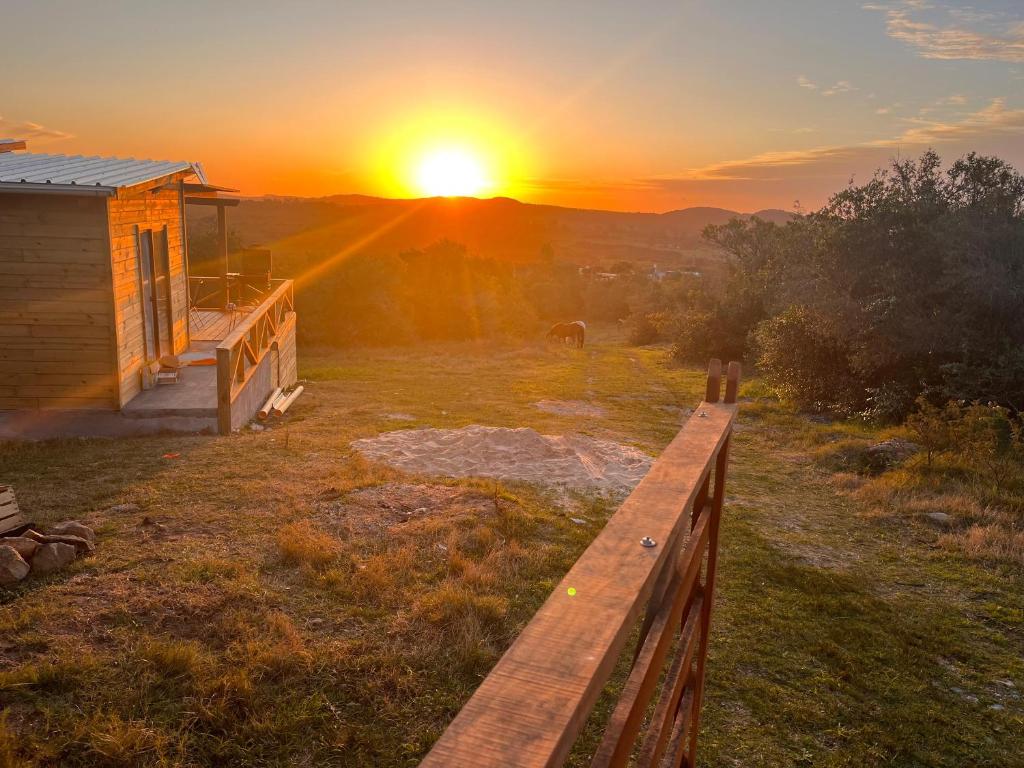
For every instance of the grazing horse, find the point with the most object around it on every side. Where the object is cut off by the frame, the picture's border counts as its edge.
(572, 332)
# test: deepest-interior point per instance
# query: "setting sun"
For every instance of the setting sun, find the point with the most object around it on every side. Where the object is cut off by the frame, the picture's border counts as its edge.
(447, 151)
(451, 172)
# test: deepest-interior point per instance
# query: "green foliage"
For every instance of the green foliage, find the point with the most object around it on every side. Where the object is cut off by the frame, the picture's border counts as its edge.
(803, 360)
(933, 428)
(918, 277)
(986, 438)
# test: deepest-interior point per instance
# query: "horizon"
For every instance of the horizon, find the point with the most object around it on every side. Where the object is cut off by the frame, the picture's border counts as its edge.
(642, 109)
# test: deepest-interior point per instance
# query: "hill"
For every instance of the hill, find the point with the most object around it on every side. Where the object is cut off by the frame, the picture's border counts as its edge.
(500, 228)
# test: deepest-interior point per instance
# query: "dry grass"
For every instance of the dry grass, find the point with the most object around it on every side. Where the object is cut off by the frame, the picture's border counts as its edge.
(292, 612)
(303, 543)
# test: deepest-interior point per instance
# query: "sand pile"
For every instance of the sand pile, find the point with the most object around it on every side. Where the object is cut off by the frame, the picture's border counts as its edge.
(572, 461)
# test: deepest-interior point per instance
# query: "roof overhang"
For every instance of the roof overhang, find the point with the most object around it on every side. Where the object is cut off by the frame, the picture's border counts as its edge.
(28, 188)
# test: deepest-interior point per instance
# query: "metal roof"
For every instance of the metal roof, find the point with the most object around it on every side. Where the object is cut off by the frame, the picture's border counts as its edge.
(77, 173)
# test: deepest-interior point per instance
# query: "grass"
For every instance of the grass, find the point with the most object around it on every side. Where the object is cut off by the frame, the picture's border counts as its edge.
(281, 617)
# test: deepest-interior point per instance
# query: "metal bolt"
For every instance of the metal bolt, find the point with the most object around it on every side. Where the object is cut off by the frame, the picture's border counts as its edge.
(703, 414)
(648, 542)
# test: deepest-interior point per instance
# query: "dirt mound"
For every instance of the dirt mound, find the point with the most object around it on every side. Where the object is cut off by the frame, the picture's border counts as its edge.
(570, 461)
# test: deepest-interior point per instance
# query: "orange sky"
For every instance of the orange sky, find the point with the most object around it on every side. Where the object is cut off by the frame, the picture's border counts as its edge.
(639, 106)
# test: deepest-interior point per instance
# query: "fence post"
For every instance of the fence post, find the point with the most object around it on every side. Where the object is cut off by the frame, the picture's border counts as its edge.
(717, 499)
(225, 375)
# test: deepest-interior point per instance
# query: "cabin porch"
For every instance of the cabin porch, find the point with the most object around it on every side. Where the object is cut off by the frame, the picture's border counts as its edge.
(237, 356)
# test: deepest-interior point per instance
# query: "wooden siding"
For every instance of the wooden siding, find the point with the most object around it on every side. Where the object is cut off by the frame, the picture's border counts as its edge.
(152, 210)
(56, 304)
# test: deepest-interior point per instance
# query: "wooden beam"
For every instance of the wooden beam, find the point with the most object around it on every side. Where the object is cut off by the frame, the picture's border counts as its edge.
(220, 202)
(10, 146)
(193, 188)
(222, 245)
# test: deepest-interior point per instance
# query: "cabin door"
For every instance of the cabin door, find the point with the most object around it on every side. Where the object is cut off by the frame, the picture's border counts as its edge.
(163, 313)
(150, 337)
(157, 312)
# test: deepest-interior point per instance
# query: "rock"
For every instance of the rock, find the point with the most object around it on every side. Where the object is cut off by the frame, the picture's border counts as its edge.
(75, 528)
(83, 546)
(23, 545)
(578, 520)
(13, 567)
(52, 557)
(255, 427)
(940, 519)
(890, 452)
(124, 509)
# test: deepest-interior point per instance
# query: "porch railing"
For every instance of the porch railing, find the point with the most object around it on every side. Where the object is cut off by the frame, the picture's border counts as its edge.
(216, 291)
(652, 570)
(241, 352)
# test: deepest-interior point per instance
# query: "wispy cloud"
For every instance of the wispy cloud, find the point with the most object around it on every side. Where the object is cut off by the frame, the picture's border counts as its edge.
(13, 129)
(995, 119)
(843, 86)
(966, 33)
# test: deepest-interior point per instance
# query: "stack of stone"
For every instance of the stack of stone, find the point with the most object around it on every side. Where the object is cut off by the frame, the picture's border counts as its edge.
(39, 553)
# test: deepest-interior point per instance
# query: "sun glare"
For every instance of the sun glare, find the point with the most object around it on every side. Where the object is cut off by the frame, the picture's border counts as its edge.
(446, 153)
(451, 172)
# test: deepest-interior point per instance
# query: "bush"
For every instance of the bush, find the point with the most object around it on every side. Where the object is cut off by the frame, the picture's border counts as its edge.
(804, 361)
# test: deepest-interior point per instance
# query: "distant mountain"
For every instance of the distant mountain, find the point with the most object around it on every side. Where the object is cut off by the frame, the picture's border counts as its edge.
(499, 227)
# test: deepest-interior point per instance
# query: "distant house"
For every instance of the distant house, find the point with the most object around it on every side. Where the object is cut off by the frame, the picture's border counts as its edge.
(97, 303)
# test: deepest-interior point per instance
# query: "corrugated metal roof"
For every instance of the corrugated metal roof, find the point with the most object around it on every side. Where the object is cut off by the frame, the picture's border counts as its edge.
(71, 171)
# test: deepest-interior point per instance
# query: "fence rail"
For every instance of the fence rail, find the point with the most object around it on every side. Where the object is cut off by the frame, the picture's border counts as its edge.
(653, 565)
(240, 353)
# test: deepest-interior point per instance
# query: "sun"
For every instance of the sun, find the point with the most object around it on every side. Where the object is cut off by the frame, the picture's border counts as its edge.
(451, 172)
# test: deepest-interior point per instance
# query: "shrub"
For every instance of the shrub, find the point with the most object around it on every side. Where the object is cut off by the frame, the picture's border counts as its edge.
(804, 361)
(933, 428)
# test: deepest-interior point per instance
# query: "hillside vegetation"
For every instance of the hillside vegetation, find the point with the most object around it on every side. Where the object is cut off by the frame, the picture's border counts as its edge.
(261, 600)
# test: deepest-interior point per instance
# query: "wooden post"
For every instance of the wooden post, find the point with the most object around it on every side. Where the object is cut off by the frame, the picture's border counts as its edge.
(717, 500)
(222, 247)
(224, 380)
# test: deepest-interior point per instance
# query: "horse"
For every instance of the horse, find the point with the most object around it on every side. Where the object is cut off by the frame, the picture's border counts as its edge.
(572, 332)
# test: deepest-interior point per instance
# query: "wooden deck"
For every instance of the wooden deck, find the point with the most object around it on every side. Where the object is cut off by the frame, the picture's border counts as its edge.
(214, 324)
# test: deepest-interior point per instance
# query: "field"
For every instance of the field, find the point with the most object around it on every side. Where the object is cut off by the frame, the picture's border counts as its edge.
(262, 600)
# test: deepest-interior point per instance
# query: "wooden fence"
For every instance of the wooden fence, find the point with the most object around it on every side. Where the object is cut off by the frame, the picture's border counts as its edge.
(650, 572)
(239, 355)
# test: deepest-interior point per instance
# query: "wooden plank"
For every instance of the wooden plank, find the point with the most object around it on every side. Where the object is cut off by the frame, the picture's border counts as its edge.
(678, 680)
(624, 724)
(530, 709)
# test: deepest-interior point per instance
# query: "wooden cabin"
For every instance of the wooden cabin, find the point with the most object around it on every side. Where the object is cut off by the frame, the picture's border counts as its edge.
(97, 304)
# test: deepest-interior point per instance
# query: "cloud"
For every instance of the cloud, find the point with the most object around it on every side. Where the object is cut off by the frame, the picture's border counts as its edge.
(995, 119)
(993, 38)
(843, 86)
(12, 129)
(883, 110)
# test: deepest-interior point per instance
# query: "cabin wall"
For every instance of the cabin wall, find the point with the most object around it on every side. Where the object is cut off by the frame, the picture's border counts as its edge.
(145, 210)
(56, 303)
